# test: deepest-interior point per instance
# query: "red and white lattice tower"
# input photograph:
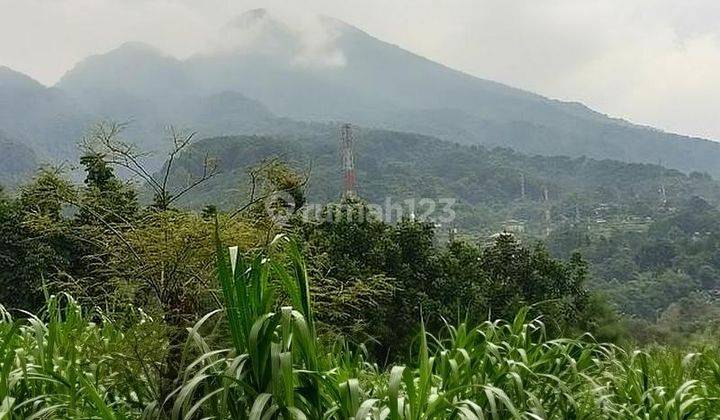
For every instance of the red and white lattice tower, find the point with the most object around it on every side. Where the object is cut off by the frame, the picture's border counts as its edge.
(347, 139)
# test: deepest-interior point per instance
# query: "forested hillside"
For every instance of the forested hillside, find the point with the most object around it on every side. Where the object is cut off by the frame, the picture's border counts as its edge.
(649, 233)
(142, 311)
(43, 119)
(488, 183)
(17, 162)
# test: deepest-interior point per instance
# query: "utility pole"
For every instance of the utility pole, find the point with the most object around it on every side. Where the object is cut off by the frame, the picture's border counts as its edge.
(547, 211)
(522, 186)
(663, 193)
(577, 214)
(347, 140)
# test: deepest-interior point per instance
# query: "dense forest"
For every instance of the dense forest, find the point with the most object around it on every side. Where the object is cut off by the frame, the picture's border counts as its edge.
(650, 234)
(181, 295)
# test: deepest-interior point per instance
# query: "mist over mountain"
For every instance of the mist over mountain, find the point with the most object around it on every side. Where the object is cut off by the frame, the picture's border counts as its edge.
(269, 74)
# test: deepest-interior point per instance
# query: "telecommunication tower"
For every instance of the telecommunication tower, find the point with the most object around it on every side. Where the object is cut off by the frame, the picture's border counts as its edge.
(347, 140)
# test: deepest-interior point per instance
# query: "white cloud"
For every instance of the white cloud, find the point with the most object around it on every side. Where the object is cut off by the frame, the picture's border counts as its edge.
(655, 62)
(315, 38)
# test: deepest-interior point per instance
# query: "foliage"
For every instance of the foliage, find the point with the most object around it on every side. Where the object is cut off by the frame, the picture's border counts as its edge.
(34, 240)
(460, 281)
(641, 228)
(487, 182)
(106, 199)
(637, 240)
(652, 275)
(383, 320)
(69, 366)
(276, 367)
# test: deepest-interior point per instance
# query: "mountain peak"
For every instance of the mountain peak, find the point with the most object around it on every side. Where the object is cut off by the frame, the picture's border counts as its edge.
(13, 79)
(297, 39)
(251, 17)
(133, 66)
(137, 48)
(258, 29)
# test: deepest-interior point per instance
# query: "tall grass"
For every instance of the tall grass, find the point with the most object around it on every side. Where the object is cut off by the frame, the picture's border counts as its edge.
(494, 370)
(260, 357)
(67, 366)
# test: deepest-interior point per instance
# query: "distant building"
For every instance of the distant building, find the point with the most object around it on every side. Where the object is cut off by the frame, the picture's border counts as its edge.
(490, 240)
(513, 226)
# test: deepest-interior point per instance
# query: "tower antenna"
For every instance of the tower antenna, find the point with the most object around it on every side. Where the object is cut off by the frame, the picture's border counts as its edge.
(347, 141)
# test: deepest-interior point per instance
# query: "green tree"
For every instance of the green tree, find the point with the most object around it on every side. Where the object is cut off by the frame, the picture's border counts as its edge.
(462, 281)
(35, 240)
(105, 199)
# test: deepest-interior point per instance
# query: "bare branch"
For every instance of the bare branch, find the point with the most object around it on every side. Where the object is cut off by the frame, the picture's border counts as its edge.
(180, 141)
(104, 140)
(209, 171)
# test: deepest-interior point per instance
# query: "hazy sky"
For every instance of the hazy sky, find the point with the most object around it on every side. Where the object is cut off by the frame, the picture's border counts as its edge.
(654, 62)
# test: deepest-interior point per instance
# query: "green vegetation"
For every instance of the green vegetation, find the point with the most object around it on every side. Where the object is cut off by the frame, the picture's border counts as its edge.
(488, 183)
(564, 287)
(17, 162)
(666, 277)
(120, 303)
(262, 357)
(649, 234)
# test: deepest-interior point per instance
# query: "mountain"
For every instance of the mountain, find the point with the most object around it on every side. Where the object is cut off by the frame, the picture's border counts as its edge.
(272, 74)
(139, 84)
(378, 84)
(134, 69)
(43, 119)
(330, 70)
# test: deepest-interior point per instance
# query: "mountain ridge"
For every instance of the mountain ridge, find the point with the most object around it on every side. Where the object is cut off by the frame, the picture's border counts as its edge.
(491, 185)
(325, 71)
